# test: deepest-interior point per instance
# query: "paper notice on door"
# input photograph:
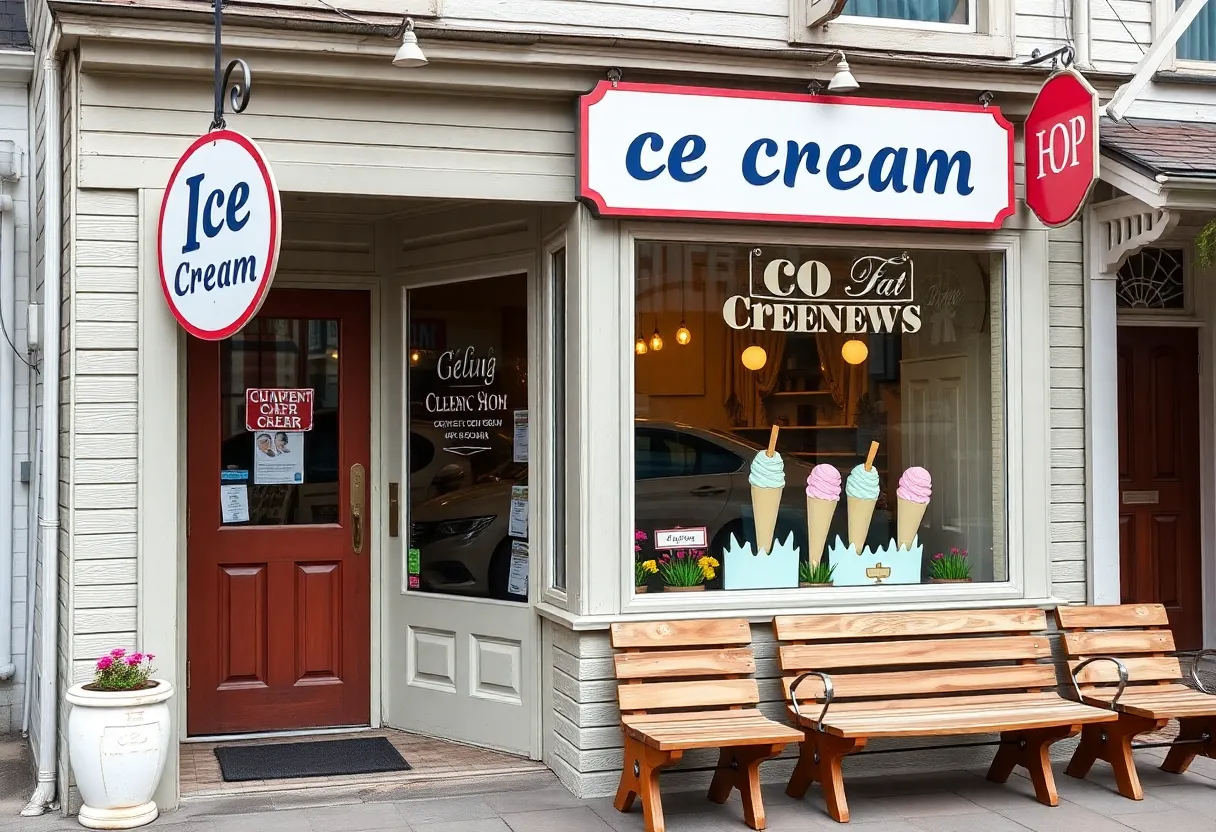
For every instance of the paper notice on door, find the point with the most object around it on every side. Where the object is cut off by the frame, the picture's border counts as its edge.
(517, 578)
(234, 503)
(278, 458)
(521, 436)
(518, 525)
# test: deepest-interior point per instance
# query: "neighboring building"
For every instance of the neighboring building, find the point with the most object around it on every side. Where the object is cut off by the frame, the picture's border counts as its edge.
(435, 262)
(16, 67)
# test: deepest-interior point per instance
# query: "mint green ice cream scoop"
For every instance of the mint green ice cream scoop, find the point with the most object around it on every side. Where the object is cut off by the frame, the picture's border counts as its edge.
(862, 484)
(767, 471)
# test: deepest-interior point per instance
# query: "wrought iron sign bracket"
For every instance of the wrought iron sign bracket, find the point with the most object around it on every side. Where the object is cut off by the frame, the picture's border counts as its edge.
(237, 92)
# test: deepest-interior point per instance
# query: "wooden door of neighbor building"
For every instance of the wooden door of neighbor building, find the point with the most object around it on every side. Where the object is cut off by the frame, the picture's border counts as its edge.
(278, 527)
(1159, 549)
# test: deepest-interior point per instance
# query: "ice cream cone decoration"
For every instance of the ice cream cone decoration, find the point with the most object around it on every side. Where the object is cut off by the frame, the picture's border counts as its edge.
(767, 479)
(915, 488)
(822, 495)
(862, 492)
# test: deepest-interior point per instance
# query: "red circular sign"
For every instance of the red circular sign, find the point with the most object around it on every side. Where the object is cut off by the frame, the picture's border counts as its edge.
(1061, 144)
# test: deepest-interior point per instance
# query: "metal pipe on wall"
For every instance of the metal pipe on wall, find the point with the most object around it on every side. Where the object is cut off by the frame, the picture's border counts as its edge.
(8, 389)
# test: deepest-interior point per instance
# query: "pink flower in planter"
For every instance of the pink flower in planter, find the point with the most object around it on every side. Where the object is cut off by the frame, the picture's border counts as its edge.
(118, 652)
(150, 657)
(938, 556)
(133, 662)
(104, 663)
(639, 535)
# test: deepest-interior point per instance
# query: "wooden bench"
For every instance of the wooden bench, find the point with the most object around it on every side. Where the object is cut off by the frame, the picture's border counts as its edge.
(1132, 641)
(686, 685)
(924, 674)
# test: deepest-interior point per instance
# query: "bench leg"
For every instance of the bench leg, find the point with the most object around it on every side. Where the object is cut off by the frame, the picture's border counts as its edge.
(1112, 742)
(819, 759)
(739, 768)
(640, 778)
(1179, 758)
(1031, 750)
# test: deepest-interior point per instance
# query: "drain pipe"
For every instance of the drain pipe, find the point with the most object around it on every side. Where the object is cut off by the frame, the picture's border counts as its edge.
(48, 518)
(32, 445)
(8, 303)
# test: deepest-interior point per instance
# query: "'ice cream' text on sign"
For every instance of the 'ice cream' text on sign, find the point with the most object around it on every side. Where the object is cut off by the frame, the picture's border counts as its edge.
(875, 296)
(219, 235)
(688, 152)
(278, 408)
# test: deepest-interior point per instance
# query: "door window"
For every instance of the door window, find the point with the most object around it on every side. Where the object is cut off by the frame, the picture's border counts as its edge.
(292, 475)
(468, 396)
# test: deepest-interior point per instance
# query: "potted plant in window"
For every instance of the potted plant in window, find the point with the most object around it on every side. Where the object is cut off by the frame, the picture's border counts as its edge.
(686, 570)
(950, 568)
(643, 568)
(819, 574)
(118, 740)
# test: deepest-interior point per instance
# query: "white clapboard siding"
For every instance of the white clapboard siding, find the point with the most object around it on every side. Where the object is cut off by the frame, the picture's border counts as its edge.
(1067, 399)
(14, 127)
(374, 142)
(1120, 33)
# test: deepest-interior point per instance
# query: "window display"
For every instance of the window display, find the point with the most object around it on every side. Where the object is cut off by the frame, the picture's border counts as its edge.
(774, 384)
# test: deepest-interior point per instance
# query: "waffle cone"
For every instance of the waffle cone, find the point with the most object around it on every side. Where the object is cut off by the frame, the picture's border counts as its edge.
(907, 522)
(860, 514)
(818, 519)
(765, 502)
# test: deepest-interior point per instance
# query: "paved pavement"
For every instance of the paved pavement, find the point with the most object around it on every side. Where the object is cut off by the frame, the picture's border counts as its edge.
(945, 801)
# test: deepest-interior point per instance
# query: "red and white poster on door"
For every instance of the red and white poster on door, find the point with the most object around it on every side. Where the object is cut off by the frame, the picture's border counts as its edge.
(277, 408)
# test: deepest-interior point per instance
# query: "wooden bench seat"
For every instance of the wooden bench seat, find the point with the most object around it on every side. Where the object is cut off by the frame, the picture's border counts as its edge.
(687, 685)
(850, 678)
(1133, 639)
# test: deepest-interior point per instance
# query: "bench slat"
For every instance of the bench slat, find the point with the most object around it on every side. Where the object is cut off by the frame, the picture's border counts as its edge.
(1118, 642)
(922, 682)
(921, 652)
(1139, 669)
(1121, 615)
(907, 624)
(685, 663)
(975, 720)
(665, 634)
(706, 693)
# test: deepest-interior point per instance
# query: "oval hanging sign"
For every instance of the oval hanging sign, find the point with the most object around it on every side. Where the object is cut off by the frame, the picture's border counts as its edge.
(219, 234)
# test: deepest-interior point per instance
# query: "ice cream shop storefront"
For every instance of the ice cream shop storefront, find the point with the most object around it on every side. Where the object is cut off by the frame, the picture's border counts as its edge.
(815, 367)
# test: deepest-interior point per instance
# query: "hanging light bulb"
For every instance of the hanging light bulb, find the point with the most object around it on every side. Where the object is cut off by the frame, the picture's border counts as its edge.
(754, 357)
(656, 340)
(415, 356)
(683, 336)
(640, 346)
(854, 351)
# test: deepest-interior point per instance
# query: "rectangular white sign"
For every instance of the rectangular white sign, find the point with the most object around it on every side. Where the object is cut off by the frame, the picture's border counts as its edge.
(696, 153)
(694, 538)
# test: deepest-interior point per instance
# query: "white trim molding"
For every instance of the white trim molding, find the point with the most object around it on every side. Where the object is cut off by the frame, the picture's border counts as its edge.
(1123, 227)
(989, 33)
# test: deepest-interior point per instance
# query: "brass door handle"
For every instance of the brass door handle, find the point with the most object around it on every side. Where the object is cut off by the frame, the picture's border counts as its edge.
(358, 501)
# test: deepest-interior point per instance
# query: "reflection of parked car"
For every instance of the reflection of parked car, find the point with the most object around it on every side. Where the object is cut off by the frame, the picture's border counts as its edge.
(685, 476)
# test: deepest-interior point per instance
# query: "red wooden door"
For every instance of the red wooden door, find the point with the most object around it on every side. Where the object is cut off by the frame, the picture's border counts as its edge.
(278, 590)
(1159, 550)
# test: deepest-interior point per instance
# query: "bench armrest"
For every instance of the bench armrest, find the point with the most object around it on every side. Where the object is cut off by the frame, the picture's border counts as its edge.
(1200, 656)
(1122, 677)
(828, 693)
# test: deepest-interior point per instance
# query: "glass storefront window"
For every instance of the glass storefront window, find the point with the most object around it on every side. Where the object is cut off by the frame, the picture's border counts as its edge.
(874, 375)
(468, 448)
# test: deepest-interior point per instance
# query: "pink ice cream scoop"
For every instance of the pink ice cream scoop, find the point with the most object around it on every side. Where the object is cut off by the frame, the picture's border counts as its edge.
(915, 486)
(824, 483)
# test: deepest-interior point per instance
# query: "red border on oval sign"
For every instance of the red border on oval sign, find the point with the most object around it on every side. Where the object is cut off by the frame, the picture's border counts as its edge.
(599, 207)
(276, 235)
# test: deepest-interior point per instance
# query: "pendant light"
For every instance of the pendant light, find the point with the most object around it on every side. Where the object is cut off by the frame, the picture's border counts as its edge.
(683, 336)
(656, 340)
(640, 346)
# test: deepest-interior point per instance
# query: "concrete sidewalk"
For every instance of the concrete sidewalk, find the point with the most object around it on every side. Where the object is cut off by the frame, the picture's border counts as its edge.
(945, 801)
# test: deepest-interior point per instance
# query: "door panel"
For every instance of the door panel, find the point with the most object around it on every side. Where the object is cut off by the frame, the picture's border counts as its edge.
(466, 664)
(279, 600)
(1159, 548)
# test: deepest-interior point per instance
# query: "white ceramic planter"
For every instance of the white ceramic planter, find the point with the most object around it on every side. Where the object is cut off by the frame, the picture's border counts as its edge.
(118, 742)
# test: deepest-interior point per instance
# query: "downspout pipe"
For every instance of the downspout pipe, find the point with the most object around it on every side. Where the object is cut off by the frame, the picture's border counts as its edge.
(32, 446)
(8, 303)
(48, 518)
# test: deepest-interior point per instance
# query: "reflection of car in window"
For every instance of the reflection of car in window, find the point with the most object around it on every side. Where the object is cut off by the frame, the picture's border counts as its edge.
(686, 476)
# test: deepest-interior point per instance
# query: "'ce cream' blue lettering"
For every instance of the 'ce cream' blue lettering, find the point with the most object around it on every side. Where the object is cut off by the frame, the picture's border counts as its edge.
(218, 211)
(845, 167)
